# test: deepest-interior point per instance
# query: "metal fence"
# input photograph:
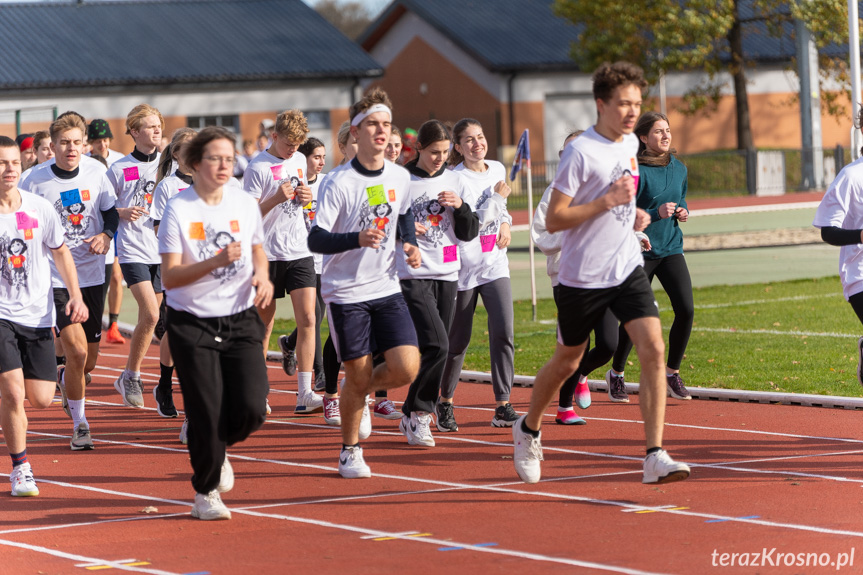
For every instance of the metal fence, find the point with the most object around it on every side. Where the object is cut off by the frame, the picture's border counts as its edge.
(714, 174)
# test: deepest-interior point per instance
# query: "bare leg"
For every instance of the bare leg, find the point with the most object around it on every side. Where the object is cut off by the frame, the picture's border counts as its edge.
(646, 335)
(148, 316)
(549, 379)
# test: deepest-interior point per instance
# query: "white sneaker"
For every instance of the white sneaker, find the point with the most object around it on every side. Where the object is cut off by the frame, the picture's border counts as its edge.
(660, 468)
(417, 428)
(131, 389)
(351, 463)
(209, 507)
(365, 420)
(81, 439)
(309, 403)
(184, 432)
(23, 483)
(269, 409)
(332, 413)
(527, 454)
(226, 478)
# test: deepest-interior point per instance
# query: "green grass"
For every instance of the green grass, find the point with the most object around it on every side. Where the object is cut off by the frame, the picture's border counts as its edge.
(787, 359)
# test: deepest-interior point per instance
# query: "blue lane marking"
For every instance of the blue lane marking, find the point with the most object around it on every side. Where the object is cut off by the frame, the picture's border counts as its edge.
(198, 573)
(475, 545)
(722, 520)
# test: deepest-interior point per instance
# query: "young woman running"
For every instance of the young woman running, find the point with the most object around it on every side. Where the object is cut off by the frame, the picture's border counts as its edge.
(442, 218)
(394, 147)
(662, 193)
(215, 273)
(484, 272)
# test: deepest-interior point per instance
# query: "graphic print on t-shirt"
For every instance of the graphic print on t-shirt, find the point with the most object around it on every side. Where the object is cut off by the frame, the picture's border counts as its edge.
(622, 213)
(376, 217)
(73, 215)
(290, 206)
(431, 214)
(212, 245)
(16, 266)
(309, 213)
(143, 194)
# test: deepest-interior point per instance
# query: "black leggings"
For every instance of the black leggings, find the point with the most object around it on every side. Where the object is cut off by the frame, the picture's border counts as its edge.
(604, 344)
(674, 277)
(856, 302)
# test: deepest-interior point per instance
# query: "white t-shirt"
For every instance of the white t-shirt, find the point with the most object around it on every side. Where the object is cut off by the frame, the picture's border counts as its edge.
(548, 243)
(842, 207)
(286, 236)
(602, 251)
(481, 260)
(26, 238)
(309, 212)
(85, 161)
(438, 246)
(134, 182)
(78, 202)
(200, 231)
(113, 156)
(169, 187)
(351, 202)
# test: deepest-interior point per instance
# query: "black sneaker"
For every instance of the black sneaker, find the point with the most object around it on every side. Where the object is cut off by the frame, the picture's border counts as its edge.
(676, 389)
(616, 387)
(504, 416)
(289, 358)
(164, 402)
(445, 417)
(320, 382)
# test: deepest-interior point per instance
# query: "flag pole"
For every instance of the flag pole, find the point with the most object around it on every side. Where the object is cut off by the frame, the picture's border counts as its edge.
(529, 235)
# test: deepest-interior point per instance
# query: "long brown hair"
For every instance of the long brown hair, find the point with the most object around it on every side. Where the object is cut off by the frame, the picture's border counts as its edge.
(647, 156)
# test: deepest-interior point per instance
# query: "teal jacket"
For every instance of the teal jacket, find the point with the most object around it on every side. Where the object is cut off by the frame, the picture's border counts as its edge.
(659, 185)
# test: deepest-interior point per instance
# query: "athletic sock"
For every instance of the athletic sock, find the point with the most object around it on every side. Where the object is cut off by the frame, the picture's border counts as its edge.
(582, 379)
(381, 394)
(528, 430)
(167, 371)
(304, 382)
(132, 374)
(653, 450)
(61, 360)
(113, 317)
(76, 410)
(346, 446)
(618, 374)
(18, 458)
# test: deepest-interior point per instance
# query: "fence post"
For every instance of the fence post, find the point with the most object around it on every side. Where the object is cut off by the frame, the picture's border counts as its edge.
(752, 171)
(839, 155)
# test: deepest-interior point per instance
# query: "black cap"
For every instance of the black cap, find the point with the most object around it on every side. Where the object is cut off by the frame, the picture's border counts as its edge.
(99, 129)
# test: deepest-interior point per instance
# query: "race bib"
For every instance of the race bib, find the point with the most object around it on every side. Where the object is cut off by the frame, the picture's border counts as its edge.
(450, 254)
(130, 174)
(376, 195)
(487, 242)
(25, 221)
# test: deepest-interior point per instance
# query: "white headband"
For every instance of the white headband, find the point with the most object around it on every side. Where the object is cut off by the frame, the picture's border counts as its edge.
(376, 108)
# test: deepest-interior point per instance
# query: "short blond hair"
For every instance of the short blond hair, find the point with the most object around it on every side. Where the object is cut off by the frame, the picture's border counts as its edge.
(292, 125)
(67, 121)
(137, 115)
(375, 96)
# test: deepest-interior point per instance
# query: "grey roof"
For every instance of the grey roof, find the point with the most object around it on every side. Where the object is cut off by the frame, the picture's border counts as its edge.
(148, 42)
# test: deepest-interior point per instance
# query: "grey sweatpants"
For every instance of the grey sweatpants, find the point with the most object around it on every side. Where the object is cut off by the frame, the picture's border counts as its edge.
(497, 299)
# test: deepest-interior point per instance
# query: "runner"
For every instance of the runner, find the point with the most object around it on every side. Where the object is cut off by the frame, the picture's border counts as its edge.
(359, 283)
(99, 137)
(215, 273)
(484, 272)
(593, 202)
(394, 147)
(29, 230)
(276, 178)
(662, 193)
(134, 179)
(442, 219)
(84, 201)
(42, 145)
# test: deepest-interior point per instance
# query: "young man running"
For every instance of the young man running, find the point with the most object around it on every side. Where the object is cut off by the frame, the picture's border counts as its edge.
(593, 202)
(277, 179)
(359, 282)
(84, 201)
(134, 179)
(29, 229)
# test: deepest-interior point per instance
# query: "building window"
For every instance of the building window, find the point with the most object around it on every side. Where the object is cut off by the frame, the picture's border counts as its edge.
(231, 122)
(318, 119)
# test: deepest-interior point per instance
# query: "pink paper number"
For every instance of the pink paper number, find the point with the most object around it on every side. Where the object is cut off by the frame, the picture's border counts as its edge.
(131, 174)
(277, 172)
(487, 242)
(450, 254)
(25, 221)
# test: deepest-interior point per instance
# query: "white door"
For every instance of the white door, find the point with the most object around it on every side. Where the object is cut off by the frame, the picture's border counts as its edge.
(565, 113)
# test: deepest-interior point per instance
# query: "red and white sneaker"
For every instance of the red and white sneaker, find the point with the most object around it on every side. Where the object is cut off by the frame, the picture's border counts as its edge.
(332, 414)
(387, 410)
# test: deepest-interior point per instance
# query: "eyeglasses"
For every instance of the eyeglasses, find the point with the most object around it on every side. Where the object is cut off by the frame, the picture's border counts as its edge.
(219, 160)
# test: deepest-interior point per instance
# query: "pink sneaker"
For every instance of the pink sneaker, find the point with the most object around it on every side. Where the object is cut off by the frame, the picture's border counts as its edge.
(568, 417)
(582, 393)
(387, 410)
(332, 413)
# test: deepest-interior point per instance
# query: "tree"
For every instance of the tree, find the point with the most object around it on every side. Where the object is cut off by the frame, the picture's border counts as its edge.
(351, 18)
(675, 35)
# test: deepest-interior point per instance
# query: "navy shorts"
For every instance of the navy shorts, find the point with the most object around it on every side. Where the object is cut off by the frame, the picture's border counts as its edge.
(137, 273)
(94, 299)
(359, 329)
(580, 310)
(30, 349)
(295, 274)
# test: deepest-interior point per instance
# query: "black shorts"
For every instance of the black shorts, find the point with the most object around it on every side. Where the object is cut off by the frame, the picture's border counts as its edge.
(580, 310)
(94, 299)
(295, 274)
(30, 349)
(359, 329)
(137, 273)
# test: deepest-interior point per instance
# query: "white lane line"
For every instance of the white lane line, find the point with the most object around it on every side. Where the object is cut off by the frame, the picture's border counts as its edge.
(84, 559)
(754, 209)
(767, 301)
(773, 332)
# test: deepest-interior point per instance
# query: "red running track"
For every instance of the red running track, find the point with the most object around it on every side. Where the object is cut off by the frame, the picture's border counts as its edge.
(764, 477)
